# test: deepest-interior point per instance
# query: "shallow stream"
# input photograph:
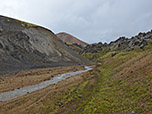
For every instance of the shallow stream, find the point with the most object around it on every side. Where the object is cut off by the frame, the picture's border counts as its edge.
(25, 90)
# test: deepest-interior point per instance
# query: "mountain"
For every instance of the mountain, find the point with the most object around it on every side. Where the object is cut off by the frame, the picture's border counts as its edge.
(121, 81)
(138, 42)
(65, 37)
(26, 46)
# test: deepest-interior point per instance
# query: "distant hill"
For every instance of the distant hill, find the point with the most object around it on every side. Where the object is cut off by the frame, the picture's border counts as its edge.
(122, 80)
(139, 42)
(65, 37)
(26, 46)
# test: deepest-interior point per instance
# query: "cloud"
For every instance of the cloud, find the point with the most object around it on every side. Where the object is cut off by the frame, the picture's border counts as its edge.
(91, 21)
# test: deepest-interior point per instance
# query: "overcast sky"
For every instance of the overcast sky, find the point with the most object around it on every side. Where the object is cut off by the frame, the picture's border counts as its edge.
(89, 20)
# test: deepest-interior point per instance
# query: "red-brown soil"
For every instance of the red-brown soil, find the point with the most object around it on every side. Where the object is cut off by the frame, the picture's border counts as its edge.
(65, 37)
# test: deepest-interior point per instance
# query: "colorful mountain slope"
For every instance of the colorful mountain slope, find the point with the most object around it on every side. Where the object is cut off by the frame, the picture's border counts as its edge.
(65, 37)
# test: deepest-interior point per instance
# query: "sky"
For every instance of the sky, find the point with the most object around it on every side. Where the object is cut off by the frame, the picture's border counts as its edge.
(89, 20)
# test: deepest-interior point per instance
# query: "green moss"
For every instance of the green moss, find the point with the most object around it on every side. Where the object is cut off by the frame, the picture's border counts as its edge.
(115, 95)
(137, 49)
(25, 24)
(148, 47)
(110, 94)
(89, 56)
(68, 43)
(8, 20)
(72, 94)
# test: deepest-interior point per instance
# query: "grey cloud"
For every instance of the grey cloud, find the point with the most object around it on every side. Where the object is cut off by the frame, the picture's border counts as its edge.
(91, 21)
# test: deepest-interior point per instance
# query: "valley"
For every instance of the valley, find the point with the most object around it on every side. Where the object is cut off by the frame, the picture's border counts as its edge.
(119, 82)
(32, 77)
(39, 101)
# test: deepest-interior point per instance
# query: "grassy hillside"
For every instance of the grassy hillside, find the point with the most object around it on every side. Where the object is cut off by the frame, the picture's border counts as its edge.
(75, 47)
(122, 84)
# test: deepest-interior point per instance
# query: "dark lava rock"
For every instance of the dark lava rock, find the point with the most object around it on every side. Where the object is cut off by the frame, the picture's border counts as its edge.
(61, 104)
(113, 54)
(122, 43)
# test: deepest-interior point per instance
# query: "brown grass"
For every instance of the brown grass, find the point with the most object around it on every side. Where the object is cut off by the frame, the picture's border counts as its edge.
(36, 102)
(32, 77)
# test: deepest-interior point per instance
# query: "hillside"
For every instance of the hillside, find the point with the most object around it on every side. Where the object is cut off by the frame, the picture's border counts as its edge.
(121, 82)
(138, 43)
(65, 37)
(27, 46)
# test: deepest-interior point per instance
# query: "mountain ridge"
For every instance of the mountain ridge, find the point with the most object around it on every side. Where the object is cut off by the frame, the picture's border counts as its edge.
(25, 46)
(139, 41)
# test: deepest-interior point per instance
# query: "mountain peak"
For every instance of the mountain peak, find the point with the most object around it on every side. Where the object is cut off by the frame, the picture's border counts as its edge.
(66, 37)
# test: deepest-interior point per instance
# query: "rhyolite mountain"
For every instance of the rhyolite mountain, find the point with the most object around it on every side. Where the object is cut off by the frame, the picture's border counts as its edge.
(65, 37)
(25, 46)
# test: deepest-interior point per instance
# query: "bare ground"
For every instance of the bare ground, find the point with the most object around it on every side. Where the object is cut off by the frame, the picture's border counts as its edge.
(32, 77)
(36, 102)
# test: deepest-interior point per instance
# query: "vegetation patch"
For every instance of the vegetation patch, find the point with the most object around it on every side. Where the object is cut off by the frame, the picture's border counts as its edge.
(115, 91)
(22, 23)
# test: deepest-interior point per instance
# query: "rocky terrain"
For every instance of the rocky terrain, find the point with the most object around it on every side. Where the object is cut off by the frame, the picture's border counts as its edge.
(122, 78)
(119, 83)
(123, 43)
(26, 46)
(138, 42)
(65, 37)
